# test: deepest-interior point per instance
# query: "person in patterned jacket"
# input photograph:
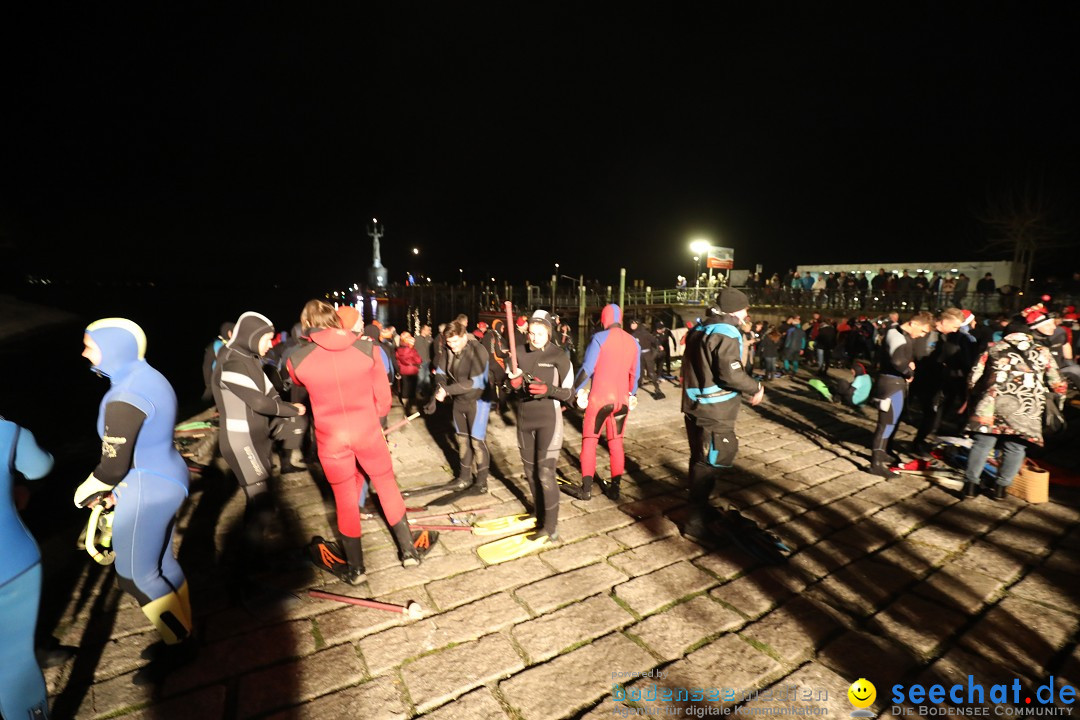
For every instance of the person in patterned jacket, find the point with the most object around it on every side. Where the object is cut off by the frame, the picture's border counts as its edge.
(1008, 385)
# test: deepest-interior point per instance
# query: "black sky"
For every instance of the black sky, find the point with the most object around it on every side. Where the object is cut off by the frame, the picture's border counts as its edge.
(507, 137)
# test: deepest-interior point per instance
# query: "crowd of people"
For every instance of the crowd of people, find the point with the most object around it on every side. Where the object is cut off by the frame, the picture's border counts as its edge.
(906, 290)
(322, 393)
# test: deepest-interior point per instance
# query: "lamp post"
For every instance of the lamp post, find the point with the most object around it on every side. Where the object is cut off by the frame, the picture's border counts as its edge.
(700, 248)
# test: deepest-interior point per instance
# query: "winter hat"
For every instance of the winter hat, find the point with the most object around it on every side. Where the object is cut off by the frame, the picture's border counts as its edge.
(968, 318)
(543, 318)
(522, 321)
(1035, 315)
(731, 300)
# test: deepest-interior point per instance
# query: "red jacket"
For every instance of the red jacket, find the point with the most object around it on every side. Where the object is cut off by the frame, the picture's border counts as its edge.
(348, 386)
(408, 360)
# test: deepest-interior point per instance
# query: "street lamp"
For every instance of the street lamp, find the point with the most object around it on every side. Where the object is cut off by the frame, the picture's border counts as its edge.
(700, 248)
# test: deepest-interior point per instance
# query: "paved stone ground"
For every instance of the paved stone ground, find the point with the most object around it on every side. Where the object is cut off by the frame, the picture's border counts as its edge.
(895, 581)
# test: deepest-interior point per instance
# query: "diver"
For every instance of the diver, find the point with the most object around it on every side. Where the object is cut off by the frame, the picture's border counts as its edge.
(141, 475)
(253, 416)
(541, 382)
(613, 365)
(22, 686)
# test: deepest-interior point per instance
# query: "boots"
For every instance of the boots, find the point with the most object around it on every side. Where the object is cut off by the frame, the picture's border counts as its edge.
(879, 465)
(611, 487)
(292, 461)
(890, 450)
(353, 573)
(997, 492)
(408, 551)
(582, 492)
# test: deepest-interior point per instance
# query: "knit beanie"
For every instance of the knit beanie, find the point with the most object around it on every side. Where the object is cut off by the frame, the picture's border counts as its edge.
(731, 300)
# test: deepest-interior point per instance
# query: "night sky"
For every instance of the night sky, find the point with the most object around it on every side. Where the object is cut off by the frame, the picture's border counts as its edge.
(504, 138)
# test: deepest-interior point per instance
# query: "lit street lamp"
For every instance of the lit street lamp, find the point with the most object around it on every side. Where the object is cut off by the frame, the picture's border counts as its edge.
(700, 248)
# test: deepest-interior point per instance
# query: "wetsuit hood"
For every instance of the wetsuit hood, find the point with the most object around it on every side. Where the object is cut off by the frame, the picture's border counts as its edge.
(249, 328)
(349, 316)
(122, 342)
(610, 315)
(333, 338)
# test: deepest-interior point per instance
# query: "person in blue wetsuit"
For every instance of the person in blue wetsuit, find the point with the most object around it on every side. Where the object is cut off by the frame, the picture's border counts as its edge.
(22, 686)
(144, 477)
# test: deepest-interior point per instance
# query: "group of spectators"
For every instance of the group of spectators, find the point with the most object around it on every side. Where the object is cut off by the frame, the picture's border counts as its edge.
(904, 291)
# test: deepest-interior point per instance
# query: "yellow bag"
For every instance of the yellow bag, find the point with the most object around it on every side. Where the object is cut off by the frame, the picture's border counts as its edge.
(1032, 483)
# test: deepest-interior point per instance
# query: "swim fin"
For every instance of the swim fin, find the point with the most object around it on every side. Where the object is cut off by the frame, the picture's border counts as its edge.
(515, 546)
(821, 387)
(505, 524)
(327, 555)
(748, 536)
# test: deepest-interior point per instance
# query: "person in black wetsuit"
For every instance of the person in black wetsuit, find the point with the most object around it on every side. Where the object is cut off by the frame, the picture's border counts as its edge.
(253, 416)
(543, 380)
(465, 379)
(934, 365)
(897, 362)
(666, 348)
(647, 341)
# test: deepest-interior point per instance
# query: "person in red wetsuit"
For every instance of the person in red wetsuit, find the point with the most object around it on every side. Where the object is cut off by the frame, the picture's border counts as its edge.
(612, 362)
(349, 393)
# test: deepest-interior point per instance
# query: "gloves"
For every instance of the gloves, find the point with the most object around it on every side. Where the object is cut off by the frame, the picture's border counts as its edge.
(632, 402)
(517, 378)
(538, 388)
(583, 398)
(91, 491)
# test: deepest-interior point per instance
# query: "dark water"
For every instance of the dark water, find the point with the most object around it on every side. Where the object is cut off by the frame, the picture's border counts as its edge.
(51, 390)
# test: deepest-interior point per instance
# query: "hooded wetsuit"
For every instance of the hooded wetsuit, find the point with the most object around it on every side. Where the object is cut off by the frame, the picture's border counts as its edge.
(349, 393)
(539, 425)
(22, 686)
(613, 364)
(252, 413)
(145, 473)
(465, 378)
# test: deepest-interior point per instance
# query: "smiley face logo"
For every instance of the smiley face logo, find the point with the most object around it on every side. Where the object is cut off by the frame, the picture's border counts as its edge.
(862, 693)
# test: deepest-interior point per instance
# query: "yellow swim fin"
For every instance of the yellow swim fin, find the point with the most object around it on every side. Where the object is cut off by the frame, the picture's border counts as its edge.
(506, 524)
(510, 548)
(170, 617)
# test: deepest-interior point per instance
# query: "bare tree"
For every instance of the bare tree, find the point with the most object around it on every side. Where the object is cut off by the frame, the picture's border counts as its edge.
(1022, 219)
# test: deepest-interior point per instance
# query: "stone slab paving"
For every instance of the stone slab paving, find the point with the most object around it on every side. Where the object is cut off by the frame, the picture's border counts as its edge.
(895, 581)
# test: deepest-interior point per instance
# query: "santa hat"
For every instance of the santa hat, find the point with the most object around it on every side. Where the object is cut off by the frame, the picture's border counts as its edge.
(969, 317)
(1035, 315)
(522, 321)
